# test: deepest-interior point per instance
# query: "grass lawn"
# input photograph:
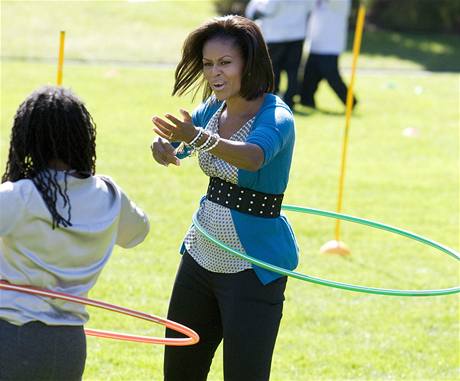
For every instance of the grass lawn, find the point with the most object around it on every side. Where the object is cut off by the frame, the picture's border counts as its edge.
(101, 30)
(411, 182)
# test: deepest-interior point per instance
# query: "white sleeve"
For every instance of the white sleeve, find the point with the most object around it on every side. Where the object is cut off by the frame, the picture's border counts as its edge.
(13, 199)
(265, 7)
(133, 225)
(340, 7)
(270, 7)
(251, 9)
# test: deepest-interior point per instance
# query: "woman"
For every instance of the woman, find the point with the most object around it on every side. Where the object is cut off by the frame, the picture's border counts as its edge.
(244, 137)
(59, 223)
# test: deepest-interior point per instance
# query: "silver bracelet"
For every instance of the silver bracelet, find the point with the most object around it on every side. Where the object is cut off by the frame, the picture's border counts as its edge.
(197, 137)
(213, 144)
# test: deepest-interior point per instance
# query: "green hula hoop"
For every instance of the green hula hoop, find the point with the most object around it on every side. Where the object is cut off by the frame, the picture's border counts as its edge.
(330, 283)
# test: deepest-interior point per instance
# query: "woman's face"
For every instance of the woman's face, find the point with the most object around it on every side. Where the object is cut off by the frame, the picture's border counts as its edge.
(223, 67)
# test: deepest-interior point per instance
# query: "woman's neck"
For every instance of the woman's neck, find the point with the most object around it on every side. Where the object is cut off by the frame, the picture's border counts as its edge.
(238, 107)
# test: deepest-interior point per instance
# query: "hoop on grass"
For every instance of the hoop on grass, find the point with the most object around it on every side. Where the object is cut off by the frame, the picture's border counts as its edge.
(330, 283)
(192, 336)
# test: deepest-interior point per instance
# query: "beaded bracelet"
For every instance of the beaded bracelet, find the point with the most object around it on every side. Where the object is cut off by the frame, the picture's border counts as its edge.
(197, 137)
(213, 144)
(203, 146)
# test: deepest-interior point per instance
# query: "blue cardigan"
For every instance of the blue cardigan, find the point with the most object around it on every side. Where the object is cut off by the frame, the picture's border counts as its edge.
(268, 239)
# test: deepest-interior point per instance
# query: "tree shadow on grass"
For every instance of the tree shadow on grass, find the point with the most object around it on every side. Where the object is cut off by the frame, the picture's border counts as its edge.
(435, 52)
(308, 111)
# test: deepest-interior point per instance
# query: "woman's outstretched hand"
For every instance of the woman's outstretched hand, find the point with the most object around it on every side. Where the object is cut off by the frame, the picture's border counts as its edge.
(163, 152)
(175, 130)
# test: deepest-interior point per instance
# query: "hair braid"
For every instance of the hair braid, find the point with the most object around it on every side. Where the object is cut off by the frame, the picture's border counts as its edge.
(51, 125)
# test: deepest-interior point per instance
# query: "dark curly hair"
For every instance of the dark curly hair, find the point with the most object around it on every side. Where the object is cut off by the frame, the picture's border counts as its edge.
(52, 124)
(257, 77)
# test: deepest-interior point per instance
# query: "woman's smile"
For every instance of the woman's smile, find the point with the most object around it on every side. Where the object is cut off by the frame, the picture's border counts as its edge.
(218, 85)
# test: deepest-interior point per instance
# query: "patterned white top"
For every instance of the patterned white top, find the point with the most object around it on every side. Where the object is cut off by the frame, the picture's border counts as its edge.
(215, 218)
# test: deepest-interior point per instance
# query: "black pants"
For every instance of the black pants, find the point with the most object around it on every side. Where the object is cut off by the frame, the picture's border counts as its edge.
(237, 308)
(39, 352)
(317, 68)
(286, 56)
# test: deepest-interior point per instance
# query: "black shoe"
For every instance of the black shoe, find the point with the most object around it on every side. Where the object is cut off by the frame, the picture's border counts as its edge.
(308, 103)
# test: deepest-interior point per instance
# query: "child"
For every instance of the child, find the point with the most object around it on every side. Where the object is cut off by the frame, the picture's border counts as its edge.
(59, 223)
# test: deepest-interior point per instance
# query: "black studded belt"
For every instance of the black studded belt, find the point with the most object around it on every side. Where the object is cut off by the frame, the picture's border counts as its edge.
(244, 200)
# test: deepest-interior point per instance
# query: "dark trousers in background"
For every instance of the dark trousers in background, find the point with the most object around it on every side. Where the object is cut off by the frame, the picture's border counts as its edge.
(237, 308)
(317, 68)
(286, 56)
(38, 352)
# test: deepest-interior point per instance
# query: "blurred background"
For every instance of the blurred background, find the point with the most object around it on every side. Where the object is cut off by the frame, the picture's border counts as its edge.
(415, 34)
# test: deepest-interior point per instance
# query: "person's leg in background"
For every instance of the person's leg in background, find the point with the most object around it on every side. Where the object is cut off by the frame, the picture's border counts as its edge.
(277, 54)
(194, 305)
(311, 79)
(330, 70)
(291, 62)
(251, 314)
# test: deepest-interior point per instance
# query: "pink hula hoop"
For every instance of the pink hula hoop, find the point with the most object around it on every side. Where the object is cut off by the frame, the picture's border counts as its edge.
(192, 336)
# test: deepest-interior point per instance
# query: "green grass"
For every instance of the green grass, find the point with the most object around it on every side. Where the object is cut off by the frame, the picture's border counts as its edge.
(137, 31)
(101, 30)
(411, 183)
(326, 334)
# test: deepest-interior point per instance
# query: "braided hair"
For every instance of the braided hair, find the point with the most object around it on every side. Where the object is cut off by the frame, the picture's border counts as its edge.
(52, 124)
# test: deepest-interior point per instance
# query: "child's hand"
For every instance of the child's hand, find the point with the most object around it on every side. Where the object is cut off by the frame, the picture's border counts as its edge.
(163, 152)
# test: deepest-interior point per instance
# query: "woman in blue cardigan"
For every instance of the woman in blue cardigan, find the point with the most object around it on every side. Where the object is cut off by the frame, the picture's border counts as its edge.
(244, 137)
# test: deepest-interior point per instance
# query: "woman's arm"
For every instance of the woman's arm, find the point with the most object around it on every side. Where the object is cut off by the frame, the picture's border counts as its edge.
(239, 154)
(242, 155)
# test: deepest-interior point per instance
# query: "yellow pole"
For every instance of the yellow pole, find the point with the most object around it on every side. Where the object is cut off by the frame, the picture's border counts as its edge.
(336, 246)
(349, 106)
(61, 58)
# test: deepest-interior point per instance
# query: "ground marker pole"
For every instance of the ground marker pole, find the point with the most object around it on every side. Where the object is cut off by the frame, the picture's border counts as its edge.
(336, 246)
(61, 58)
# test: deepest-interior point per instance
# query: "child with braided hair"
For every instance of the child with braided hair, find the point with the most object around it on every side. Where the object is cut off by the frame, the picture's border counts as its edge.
(59, 222)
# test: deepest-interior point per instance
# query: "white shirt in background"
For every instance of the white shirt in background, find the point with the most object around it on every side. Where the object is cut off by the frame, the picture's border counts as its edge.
(283, 20)
(67, 259)
(328, 27)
